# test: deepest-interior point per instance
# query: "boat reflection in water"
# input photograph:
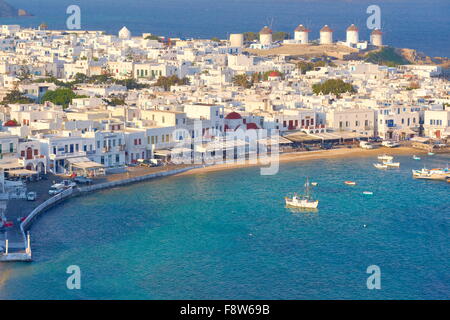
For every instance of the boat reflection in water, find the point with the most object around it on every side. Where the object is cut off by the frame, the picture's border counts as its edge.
(303, 211)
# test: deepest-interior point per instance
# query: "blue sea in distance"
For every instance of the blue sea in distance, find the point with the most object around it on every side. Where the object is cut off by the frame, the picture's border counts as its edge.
(227, 235)
(416, 24)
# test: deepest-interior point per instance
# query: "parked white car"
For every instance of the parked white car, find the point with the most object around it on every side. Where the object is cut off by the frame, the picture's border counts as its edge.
(31, 196)
(56, 188)
(69, 183)
(390, 144)
(366, 145)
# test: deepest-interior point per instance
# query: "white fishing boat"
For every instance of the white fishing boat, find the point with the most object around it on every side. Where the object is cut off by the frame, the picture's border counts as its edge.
(416, 157)
(392, 164)
(431, 153)
(314, 184)
(385, 157)
(380, 166)
(432, 174)
(368, 193)
(305, 201)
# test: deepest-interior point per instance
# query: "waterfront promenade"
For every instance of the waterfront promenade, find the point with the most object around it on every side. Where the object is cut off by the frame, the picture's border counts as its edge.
(23, 212)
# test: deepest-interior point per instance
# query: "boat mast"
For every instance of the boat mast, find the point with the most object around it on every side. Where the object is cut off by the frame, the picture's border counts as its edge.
(307, 188)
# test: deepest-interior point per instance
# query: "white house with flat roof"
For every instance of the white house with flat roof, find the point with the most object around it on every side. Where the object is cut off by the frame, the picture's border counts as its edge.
(352, 119)
(105, 147)
(437, 123)
(396, 121)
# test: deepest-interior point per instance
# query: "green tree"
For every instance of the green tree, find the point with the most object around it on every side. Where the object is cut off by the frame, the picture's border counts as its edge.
(61, 96)
(16, 96)
(153, 37)
(215, 39)
(305, 66)
(168, 82)
(242, 80)
(251, 36)
(280, 36)
(387, 57)
(116, 101)
(334, 86)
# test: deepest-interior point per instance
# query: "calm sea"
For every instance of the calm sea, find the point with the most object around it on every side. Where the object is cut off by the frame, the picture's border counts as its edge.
(417, 24)
(227, 235)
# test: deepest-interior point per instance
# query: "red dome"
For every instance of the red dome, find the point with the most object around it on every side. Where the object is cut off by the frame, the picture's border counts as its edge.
(274, 74)
(326, 28)
(376, 32)
(352, 28)
(301, 28)
(252, 125)
(233, 116)
(10, 123)
(265, 30)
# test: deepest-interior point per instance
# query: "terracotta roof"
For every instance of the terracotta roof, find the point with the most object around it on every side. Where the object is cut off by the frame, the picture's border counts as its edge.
(10, 123)
(326, 28)
(265, 30)
(301, 28)
(377, 31)
(352, 28)
(233, 116)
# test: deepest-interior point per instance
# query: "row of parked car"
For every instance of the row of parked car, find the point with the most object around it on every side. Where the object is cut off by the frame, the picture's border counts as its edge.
(386, 143)
(66, 184)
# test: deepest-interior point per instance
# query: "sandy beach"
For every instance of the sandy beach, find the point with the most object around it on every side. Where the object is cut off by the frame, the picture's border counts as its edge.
(312, 155)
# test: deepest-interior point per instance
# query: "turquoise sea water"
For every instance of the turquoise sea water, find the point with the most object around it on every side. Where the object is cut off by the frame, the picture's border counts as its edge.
(227, 235)
(416, 24)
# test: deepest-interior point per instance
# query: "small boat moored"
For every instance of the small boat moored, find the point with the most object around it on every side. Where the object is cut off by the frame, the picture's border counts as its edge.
(432, 174)
(416, 157)
(368, 193)
(380, 166)
(391, 164)
(350, 183)
(305, 201)
(431, 153)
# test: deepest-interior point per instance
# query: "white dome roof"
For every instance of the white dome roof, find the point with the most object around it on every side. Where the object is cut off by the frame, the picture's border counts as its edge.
(124, 33)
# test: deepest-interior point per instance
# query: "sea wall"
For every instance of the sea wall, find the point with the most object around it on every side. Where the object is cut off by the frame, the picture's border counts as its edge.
(117, 183)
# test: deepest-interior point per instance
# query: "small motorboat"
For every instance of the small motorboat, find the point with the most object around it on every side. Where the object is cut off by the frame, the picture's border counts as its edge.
(380, 166)
(431, 153)
(350, 183)
(315, 184)
(368, 193)
(416, 157)
(385, 157)
(392, 164)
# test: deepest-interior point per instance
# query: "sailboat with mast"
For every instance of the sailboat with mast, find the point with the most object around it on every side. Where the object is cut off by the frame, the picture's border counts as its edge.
(304, 201)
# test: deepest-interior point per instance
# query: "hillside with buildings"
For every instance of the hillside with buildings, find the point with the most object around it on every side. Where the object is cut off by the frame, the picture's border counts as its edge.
(111, 101)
